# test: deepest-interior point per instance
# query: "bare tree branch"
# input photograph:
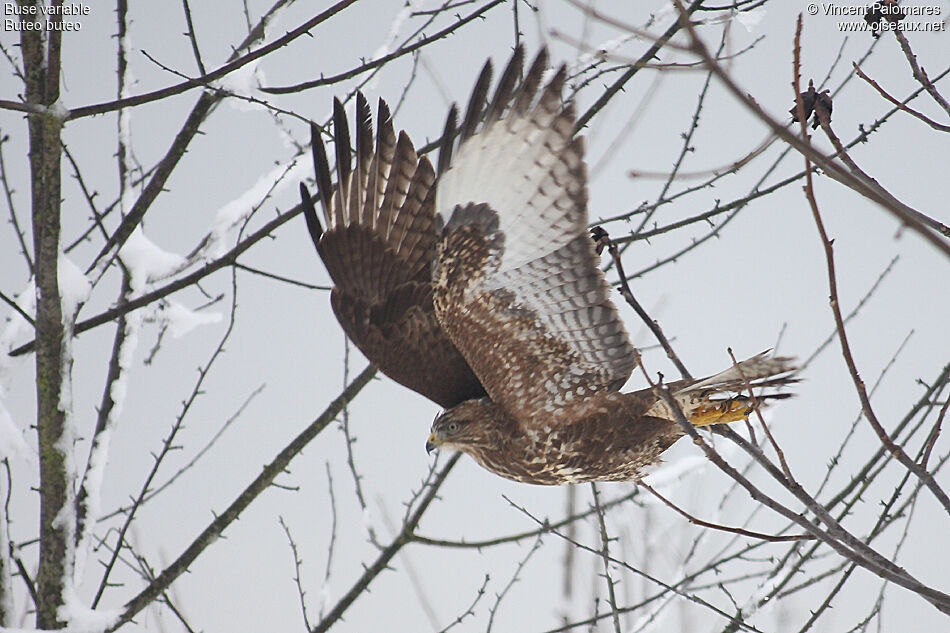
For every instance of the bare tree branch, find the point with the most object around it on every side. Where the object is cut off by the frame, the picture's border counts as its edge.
(235, 62)
(256, 487)
(376, 63)
(382, 561)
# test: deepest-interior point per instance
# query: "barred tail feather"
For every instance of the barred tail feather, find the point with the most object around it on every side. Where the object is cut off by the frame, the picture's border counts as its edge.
(758, 371)
(725, 396)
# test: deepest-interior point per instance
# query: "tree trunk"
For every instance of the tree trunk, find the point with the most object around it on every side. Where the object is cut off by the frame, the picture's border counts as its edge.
(41, 55)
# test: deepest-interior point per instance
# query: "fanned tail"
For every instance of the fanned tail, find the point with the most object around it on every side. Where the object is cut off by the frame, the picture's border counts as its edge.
(758, 371)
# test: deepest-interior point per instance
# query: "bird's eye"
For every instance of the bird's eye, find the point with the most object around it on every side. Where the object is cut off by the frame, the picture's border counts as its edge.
(452, 427)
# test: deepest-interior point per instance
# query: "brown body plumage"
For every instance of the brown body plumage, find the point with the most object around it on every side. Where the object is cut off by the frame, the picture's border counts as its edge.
(608, 438)
(606, 435)
(479, 288)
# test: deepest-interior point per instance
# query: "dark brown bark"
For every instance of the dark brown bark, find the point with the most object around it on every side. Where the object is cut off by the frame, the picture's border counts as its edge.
(41, 65)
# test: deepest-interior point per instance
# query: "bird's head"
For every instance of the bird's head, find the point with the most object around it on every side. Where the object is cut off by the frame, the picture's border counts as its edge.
(458, 428)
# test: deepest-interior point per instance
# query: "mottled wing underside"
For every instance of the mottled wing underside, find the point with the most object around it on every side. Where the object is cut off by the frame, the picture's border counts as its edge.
(517, 286)
(378, 249)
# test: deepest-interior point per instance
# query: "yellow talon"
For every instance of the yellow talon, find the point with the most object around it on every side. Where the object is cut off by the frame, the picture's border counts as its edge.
(721, 412)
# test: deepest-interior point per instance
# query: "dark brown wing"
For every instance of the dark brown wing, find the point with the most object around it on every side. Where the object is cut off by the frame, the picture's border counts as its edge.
(378, 249)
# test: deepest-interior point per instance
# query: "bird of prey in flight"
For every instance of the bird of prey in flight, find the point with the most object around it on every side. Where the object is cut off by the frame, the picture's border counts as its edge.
(475, 283)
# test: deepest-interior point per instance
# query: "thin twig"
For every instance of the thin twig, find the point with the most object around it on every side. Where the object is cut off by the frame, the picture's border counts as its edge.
(515, 538)
(214, 530)
(832, 169)
(276, 277)
(919, 115)
(835, 536)
(416, 580)
(919, 74)
(16, 308)
(675, 588)
(154, 492)
(631, 300)
(222, 92)
(350, 440)
(237, 61)
(202, 108)
(193, 37)
(385, 59)
(647, 56)
(386, 554)
(227, 259)
(89, 196)
(894, 449)
(511, 581)
(854, 312)
(853, 166)
(168, 444)
(686, 145)
(765, 427)
(605, 556)
(301, 594)
(755, 193)
(8, 193)
(833, 462)
(331, 546)
(471, 608)
(773, 538)
(934, 434)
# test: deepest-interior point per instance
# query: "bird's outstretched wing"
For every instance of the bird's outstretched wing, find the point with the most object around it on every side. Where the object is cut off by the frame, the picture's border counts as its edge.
(517, 286)
(378, 249)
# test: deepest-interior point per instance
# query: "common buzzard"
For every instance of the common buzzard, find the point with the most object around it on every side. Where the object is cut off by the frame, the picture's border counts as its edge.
(477, 285)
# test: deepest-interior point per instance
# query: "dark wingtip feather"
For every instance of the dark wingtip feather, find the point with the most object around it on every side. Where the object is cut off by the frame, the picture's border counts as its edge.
(383, 115)
(341, 135)
(506, 86)
(363, 112)
(321, 167)
(529, 88)
(364, 130)
(556, 85)
(310, 215)
(476, 103)
(448, 139)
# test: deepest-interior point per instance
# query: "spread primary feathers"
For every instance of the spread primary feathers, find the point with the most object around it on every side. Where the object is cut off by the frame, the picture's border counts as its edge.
(479, 287)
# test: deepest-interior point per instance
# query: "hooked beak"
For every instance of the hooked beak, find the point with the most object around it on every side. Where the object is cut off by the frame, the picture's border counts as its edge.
(431, 444)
